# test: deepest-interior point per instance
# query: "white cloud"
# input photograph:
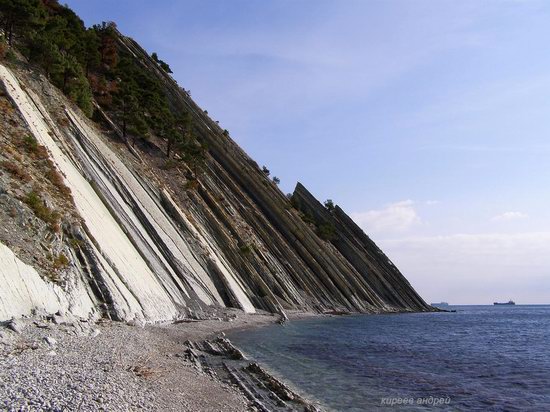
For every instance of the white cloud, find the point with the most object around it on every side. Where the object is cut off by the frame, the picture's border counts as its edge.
(509, 216)
(475, 268)
(395, 217)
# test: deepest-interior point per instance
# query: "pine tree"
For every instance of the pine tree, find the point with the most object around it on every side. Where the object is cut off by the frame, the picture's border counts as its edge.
(181, 134)
(108, 45)
(173, 139)
(19, 16)
(164, 66)
(128, 111)
(76, 86)
(126, 101)
(47, 54)
(92, 57)
(137, 127)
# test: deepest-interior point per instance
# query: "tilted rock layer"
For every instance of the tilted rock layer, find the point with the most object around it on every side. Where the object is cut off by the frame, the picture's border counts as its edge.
(150, 246)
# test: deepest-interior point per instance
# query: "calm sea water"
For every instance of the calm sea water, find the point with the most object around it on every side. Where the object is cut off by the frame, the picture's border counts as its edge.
(481, 358)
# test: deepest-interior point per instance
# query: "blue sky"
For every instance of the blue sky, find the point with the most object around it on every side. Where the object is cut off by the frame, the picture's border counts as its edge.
(428, 121)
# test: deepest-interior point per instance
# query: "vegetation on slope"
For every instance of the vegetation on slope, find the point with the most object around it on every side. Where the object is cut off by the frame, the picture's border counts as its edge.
(88, 63)
(36, 208)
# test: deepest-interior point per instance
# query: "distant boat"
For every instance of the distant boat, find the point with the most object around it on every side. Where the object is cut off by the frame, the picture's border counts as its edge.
(440, 304)
(510, 302)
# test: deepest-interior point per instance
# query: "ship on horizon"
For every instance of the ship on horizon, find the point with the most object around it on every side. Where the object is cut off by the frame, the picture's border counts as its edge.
(510, 302)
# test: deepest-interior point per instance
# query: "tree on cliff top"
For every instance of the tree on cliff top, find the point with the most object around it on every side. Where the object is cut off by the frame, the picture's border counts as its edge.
(108, 48)
(329, 204)
(164, 66)
(19, 16)
(93, 62)
(92, 57)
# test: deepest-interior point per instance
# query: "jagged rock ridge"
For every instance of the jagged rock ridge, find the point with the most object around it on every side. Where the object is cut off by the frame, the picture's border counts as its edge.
(150, 247)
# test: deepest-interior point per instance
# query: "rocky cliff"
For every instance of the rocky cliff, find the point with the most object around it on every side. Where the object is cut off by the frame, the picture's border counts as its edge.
(95, 226)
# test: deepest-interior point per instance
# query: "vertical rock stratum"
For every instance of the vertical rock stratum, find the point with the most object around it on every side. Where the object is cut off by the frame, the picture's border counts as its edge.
(137, 239)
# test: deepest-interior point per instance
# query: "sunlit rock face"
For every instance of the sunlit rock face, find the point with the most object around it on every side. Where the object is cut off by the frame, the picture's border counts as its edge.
(152, 247)
(24, 292)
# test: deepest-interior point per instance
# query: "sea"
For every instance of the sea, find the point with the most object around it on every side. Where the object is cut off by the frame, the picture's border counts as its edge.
(479, 358)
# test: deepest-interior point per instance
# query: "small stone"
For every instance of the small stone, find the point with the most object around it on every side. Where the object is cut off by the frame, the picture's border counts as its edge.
(137, 322)
(61, 318)
(50, 341)
(16, 325)
(95, 333)
(41, 325)
(4, 338)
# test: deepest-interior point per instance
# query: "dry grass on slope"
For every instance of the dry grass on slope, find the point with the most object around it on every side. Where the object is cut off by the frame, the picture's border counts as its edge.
(35, 203)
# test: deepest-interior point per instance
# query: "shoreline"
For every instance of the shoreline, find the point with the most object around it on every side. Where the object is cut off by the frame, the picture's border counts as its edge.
(186, 364)
(61, 363)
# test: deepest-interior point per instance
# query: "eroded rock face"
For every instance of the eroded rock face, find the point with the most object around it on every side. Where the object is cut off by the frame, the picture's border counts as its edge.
(151, 248)
(24, 292)
(378, 271)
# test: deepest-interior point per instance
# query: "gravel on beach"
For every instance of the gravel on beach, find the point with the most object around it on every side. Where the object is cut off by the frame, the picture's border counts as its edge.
(112, 366)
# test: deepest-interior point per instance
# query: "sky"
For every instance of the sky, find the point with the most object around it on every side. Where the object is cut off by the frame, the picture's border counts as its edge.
(427, 121)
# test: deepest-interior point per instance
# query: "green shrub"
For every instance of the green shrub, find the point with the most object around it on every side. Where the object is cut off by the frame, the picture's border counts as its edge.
(163, 65)
(30, 143)
(41, 211)
(61, 261)
(326, 231)
(76, 243)
(307, 218)
(10, 56)
(33, 148)
(245, 249)
(329, 204)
